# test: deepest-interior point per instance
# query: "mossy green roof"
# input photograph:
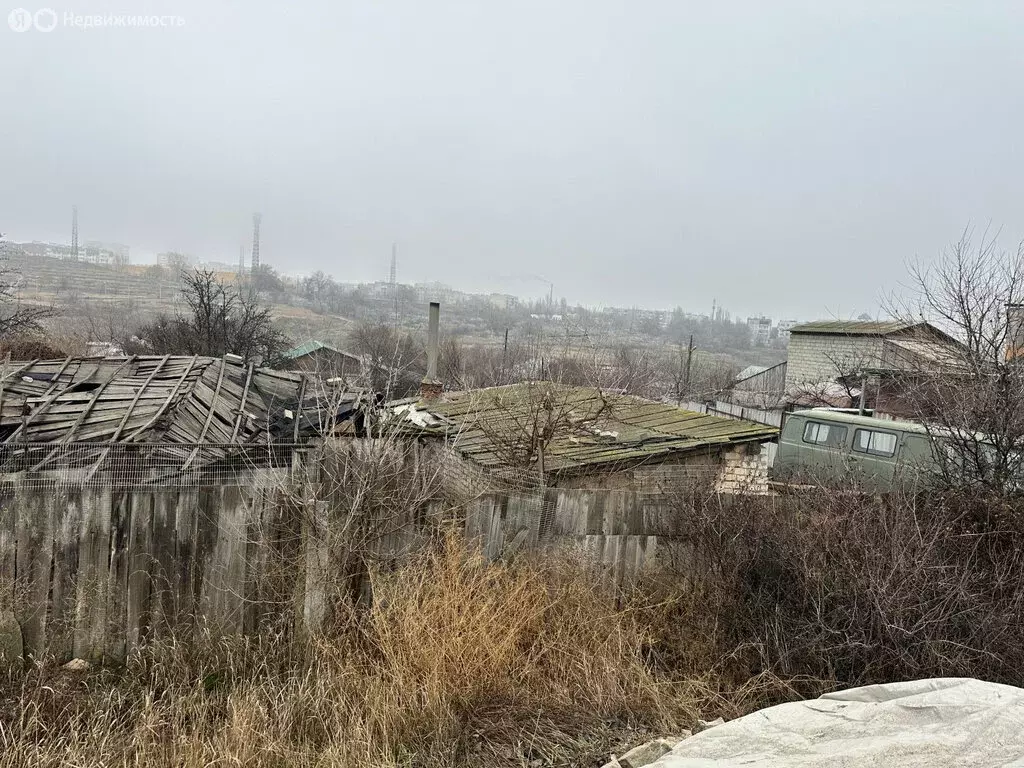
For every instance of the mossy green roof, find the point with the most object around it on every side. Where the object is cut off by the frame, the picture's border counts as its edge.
(594, 427)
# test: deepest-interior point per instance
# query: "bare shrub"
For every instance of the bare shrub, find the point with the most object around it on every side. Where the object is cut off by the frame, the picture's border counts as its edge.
(847, 589)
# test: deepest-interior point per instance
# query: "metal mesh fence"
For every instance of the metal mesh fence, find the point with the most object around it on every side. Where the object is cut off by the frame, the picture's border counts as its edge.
(130, 465)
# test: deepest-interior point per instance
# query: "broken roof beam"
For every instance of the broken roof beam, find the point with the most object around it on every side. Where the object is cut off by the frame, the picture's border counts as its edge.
(124, 419)
(82, 416)
(209, 416)
(163, 408)
(241, 404)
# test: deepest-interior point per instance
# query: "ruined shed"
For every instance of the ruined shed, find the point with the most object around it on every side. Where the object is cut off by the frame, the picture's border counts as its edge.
(144, 496)
(141, 413)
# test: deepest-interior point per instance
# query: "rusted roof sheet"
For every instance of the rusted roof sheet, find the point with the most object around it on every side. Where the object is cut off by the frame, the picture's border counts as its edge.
(593, 427)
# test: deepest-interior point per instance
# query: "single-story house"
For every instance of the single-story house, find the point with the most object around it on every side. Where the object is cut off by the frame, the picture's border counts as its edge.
(542, 433)
(323, 360)
(829, 362)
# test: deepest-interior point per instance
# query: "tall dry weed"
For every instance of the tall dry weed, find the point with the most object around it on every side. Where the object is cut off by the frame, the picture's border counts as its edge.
(457, 662)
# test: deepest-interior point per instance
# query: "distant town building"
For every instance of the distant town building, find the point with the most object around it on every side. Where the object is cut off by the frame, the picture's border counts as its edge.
(503, 301)
(115, 254)
(175, 261)
(217, 266)
(434, 292)
(91, 252)
(783, 328)
(760, 330)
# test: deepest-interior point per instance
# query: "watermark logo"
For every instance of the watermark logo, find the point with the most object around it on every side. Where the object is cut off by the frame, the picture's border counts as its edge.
(47, 20)
(20, 20)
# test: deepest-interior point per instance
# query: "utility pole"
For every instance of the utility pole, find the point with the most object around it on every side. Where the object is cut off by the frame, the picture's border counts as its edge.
(689, 361)
(394, 278)
(74, 232)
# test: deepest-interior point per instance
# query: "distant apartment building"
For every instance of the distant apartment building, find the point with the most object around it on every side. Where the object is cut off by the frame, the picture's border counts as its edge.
(760, 330)
(174, 261)
(91, 252)
(217, 266)
(114, 254)
(503, 300)
(783, 328)
(434, 292)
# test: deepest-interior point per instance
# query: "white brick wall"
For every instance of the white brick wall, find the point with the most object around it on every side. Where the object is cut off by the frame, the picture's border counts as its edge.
(813, 356)
(743, 472)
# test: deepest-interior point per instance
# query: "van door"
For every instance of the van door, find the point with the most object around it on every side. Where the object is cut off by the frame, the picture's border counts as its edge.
(874, 456)
(812, 450)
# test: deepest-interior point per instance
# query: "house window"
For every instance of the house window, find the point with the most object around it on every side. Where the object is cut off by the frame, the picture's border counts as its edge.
(874, 443)
(827, 435)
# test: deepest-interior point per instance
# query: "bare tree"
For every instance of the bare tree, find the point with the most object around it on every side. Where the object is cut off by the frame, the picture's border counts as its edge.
(634, 370)
(17, 318)
(221, 319)
(522, 421)
(972, 399)
(318, 288)
(452, 363)
(392, 362)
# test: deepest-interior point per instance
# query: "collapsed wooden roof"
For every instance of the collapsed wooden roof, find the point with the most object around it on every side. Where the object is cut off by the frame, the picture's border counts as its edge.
(195, 409)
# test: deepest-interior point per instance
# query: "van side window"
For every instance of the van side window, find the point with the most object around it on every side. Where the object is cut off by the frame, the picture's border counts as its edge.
(874, 443)
(828, 435)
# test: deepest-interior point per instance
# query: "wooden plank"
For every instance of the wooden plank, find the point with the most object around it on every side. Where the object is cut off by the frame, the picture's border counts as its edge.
(127, 416)
(8, 544)
(35, 550)
(93, 573)
(135, 433)
(60, 625)
(140, 562)
(241, 405)
(188, 553)
(209, 418)
(85, 413)
(115, 629)
(163, 572)
(297, 415)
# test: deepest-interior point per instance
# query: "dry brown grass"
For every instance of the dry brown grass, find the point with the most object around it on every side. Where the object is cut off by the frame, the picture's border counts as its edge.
(457, 663)
(541, 662)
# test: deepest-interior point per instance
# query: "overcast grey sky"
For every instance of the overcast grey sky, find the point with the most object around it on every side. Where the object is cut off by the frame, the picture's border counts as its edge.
(784, 158)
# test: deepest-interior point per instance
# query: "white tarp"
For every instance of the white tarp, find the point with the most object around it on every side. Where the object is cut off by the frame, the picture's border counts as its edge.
(950, 721)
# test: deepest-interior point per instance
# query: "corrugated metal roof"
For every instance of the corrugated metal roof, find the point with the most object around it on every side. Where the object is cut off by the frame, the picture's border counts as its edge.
(855, 327)
(308, 347)
(594, 427)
